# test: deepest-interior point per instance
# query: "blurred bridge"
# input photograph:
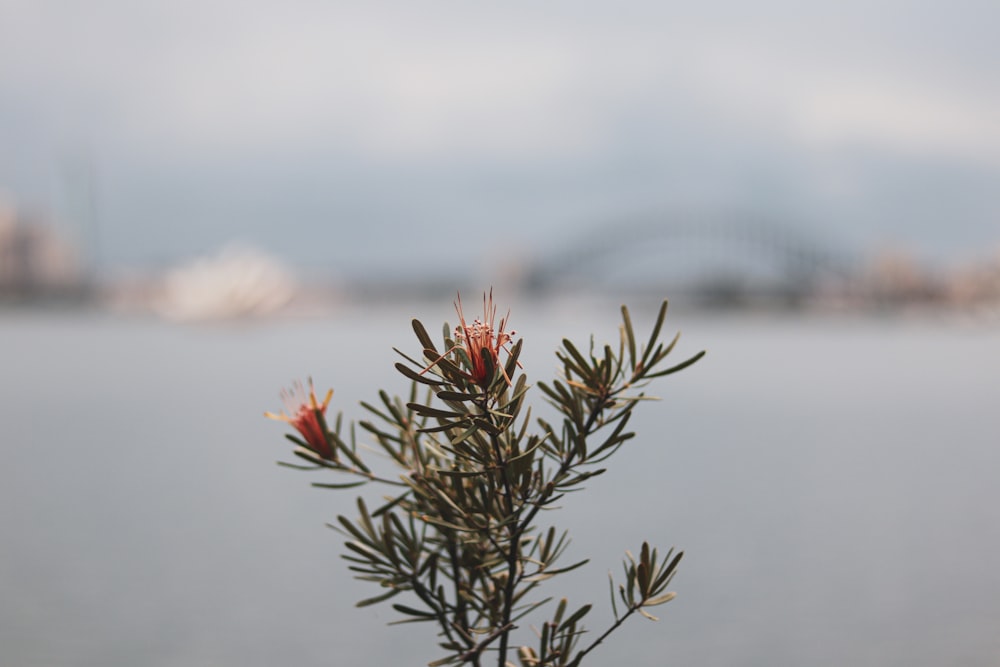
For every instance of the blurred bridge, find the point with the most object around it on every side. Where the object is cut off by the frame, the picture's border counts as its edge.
(714, 258)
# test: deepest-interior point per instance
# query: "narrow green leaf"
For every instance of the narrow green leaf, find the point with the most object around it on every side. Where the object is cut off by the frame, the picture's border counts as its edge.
(607, 366)
(486, 426)
(375, 411)
(366, 520)
(415, 619)
(670, 348)
(577, 615)
(625, 595)
(629, 334)
(314, 458)
(579, 478)
(530, 608)
(345, 485)
(415, 376)
(371, 556)
(667, 571)
(391, 404)
(294, 466)
(457, 396)
(679, 367)
(515, 352)
(616, 432)
(427, 518)
(450, 369)
(584, 365)
(608, 449)
(544, 640)
(350, 529)
(642, 578)
(549, 392)
(520, 389)
(647, 614)
(389, 538)
(378, 598)
(661, 316)
(404, 609)
(446, 499)
(568, 568)
(422, 336)
(545, 552)
(614, 605)
(389, 505)
(428, 411)
(413, 361)
(439, 428)
(342, 446)
(459, 473)
(560, 610)
(663, 599)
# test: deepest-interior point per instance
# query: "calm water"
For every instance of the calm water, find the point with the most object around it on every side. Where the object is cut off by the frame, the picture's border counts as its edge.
(835, 483)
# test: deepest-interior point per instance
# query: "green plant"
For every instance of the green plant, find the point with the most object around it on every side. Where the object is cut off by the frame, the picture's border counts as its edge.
(458, 530)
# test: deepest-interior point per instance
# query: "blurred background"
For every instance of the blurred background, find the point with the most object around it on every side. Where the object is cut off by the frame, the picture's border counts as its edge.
(200, 202)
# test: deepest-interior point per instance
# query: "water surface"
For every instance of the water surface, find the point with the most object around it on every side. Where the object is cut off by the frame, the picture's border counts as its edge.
(832, 480)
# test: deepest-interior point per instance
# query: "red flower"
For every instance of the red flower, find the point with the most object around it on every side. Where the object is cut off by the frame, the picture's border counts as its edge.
(306, 414)
(483, 341)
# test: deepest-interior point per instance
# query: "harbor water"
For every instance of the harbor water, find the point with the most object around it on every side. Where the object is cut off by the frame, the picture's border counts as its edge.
(834, 482)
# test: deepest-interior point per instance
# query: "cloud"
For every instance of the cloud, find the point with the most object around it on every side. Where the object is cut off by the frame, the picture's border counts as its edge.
(910, 120)
(245, 111)
(400, 82)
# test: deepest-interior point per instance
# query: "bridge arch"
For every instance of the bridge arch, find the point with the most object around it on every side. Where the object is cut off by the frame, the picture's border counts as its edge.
(794, 261)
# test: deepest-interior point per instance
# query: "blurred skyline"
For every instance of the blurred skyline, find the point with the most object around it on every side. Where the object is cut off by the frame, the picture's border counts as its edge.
(377, 136)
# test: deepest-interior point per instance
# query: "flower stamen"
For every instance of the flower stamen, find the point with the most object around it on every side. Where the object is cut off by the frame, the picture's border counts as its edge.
(306, 414)
(482, 341)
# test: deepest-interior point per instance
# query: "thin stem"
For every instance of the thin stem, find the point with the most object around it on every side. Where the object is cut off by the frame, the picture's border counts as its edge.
(615, 626)
(461, 616)
(428, 599)
(372, 477)
(588, 429)
(500, 633)
(519, 528)
(513, 549)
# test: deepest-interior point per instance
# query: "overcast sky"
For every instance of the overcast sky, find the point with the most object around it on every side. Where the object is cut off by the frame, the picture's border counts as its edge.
(377, 134)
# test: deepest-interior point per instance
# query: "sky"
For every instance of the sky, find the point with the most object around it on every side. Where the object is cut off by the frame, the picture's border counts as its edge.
(391, 136)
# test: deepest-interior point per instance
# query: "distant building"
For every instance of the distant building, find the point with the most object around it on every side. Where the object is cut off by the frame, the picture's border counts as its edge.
(976, 284)
(236, 283)
(894, 278)
(35, 262)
